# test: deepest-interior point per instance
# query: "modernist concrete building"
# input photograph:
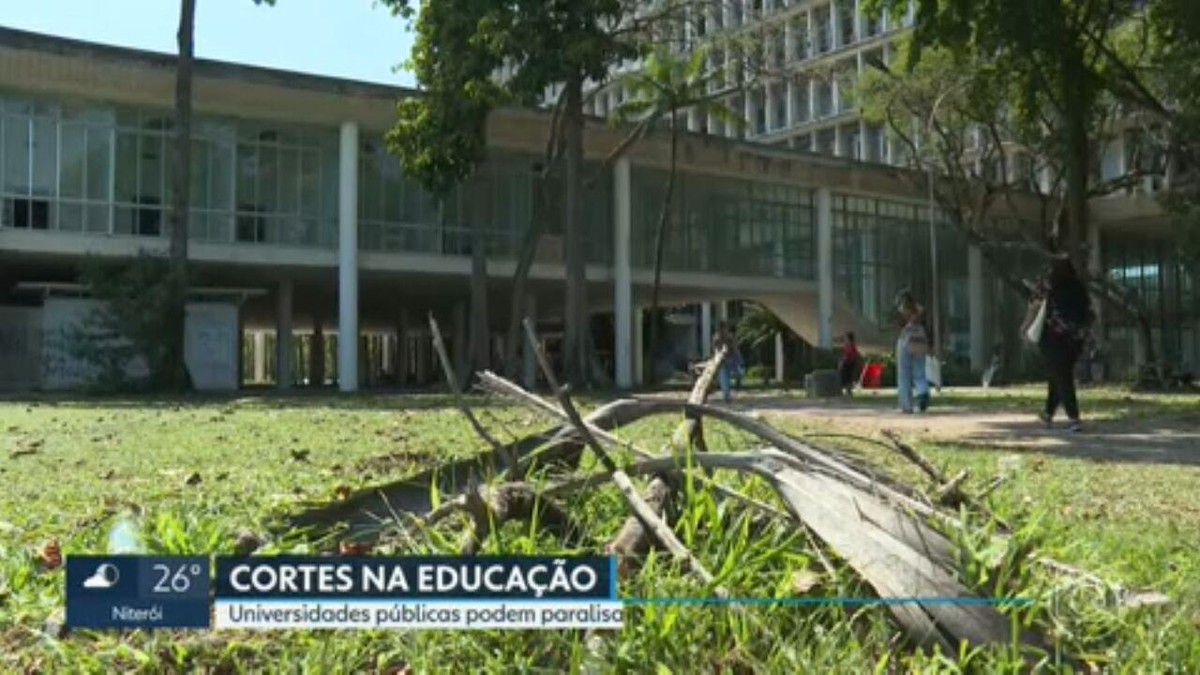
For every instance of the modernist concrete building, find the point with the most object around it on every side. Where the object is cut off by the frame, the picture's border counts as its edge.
(319, 261)
(788, 66)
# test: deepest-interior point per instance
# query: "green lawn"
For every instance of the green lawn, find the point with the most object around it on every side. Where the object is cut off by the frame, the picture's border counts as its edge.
(192, 474)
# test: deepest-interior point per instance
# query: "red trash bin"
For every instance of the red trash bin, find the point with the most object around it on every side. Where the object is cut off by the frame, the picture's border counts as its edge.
(872, 376)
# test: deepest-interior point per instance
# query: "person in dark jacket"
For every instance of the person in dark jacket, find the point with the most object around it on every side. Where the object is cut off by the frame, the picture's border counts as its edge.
(1064, 333)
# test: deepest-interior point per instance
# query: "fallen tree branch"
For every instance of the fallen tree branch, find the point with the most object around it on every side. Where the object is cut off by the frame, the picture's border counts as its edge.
(634, 539)
(498, 448)
(495, 384)
(910, 453)
(648, 467)
(644, 511)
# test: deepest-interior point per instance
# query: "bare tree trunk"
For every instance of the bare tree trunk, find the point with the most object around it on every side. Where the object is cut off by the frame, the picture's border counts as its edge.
(660, 237)
(514, 346)
(481, 334)
(575, 315)
(1077, 103)
(174, 366)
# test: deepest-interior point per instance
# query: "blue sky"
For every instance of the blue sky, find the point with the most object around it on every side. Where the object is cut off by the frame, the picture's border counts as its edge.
(343, 38)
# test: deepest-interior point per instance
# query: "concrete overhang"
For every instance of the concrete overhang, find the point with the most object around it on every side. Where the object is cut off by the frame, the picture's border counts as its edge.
(68, 69)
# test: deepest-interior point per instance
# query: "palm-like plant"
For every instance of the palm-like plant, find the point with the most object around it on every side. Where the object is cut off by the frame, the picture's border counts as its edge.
(666, 85)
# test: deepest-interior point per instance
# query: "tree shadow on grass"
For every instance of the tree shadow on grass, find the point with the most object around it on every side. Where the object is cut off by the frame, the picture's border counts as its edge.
(1148, 440)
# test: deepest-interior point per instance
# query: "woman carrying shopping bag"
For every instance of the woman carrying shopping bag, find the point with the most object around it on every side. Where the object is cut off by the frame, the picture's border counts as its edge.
(1058, 321)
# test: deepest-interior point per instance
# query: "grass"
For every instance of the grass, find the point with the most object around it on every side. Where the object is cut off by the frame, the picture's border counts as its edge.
(191, 473)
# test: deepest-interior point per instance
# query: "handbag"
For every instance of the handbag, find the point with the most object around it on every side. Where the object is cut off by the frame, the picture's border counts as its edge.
(933, 371)
(1033, 331)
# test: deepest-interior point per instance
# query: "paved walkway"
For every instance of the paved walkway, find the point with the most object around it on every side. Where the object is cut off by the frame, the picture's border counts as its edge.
(1142, 439)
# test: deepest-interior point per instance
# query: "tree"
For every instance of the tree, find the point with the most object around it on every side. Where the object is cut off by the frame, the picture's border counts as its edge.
(665, 86)
(1050, 50)
(1154, 65)
(984, 155)
(174, 374)
(547, 44)
(439, 136)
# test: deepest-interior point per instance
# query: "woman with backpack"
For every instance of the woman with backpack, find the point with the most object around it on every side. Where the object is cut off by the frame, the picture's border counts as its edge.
(912, 346)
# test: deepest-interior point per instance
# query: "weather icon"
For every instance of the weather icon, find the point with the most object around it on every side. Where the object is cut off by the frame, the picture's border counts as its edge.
(105, 576)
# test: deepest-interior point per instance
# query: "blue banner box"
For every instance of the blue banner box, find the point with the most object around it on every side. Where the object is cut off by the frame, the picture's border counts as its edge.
(416, 578)
(132, 592)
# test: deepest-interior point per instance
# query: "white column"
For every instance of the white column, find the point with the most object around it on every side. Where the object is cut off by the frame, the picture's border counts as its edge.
(789, 43)
(627, 347)
(706, 330)
(283, 335)
(348, 259)
(977, 310)
(824, 268)
(693, 120)
(812, 34)
(864, 144)
(812, 100)
(835, 25)
(723, 310)
(529, 358)
(639, 369)
(260, 356)
(779, 357)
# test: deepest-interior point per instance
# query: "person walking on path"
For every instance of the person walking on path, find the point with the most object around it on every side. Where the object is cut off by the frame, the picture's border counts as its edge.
(912, 347)
(848, 364)
(723, 339)
(1064, 331)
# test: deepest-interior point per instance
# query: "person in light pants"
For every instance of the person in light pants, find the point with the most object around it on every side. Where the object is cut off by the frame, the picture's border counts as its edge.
(912, 348)
(724, 339)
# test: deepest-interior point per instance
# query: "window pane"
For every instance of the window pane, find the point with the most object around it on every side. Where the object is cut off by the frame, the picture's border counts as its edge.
(70, 217)
(97, 218)
(127, 167)
(310, 183)
(247, 180)
(16, 155)
(150, 170)
(289, 180)
(73, 162)
(268, 178)
(45, 155)
(199, 198)
(220, 166)
(99, 149)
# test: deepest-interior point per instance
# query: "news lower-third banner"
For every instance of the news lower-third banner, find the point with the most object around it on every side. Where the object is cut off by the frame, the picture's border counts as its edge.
(416, 592)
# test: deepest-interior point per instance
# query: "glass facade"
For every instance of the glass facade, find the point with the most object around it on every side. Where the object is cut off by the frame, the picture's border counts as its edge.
(724, 225)
(108, 170)
(881, 247)
(1165, 284)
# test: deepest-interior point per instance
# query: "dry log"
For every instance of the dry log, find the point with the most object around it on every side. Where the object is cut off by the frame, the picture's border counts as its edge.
(492, 506)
